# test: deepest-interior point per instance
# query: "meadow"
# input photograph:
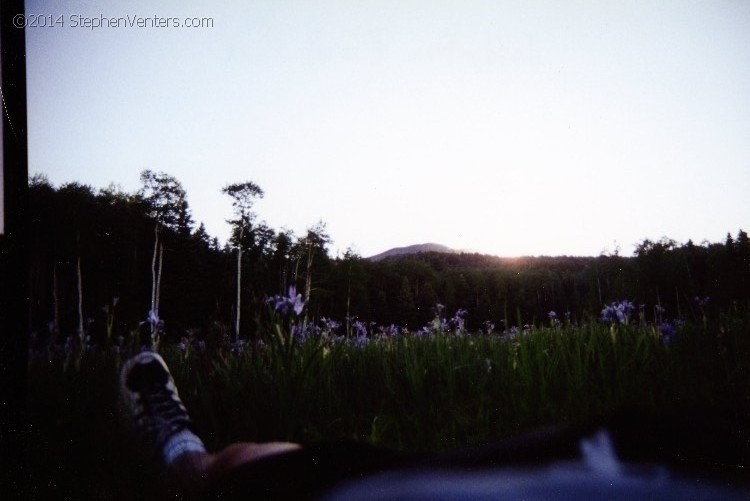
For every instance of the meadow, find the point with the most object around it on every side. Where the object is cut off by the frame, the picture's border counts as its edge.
(439, 388)
(363, 352)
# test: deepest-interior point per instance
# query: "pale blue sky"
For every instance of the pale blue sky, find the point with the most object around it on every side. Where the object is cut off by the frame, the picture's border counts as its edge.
(511, 128)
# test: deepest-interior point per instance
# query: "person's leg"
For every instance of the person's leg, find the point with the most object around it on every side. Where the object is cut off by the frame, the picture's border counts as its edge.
(152, 409)
(204, 467)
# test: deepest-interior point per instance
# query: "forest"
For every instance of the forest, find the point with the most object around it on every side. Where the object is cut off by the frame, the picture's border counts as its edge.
(103, 262)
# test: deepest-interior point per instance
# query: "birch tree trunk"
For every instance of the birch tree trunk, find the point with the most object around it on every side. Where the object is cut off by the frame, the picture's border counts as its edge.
(239, 287)
(158, 278)
(80, 301)
(55, 301)
(153, 267)
(308, 277)
(154, 280)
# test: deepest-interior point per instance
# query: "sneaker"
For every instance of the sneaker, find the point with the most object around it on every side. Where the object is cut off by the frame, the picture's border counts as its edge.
(150, 404)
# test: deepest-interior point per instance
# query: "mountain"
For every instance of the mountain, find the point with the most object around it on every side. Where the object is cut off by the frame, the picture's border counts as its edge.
(414, 249)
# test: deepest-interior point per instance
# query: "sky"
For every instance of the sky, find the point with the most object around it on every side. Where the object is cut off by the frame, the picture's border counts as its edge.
(502, 127)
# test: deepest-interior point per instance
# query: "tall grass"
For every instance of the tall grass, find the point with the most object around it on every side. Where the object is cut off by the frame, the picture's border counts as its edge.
(441, 391)
(408, 392)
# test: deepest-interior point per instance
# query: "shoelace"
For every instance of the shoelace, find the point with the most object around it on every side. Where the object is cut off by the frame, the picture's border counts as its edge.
(162, 415)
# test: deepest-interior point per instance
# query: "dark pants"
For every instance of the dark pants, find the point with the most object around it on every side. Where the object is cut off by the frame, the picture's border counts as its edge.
(690, 443)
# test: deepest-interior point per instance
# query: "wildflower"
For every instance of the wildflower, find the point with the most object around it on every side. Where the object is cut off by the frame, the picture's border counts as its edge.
(489, 327)
(618, 312)
(286, 304)
(153, 317)
(668, 332)
(701, 302)
(157, 324)
(238, 347)
(360, 329)
(387, 331)
(553, 318)
(329, 324)
(359, 341)
(458, 320)
(299, 333)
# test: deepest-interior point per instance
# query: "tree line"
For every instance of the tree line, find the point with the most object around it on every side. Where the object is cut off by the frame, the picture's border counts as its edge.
(105, 262)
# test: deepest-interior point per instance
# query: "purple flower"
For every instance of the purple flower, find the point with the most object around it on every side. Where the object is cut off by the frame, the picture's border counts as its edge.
(299, 333)
(238, 347)
(286, 304)
(618, 312)
(359, 341)
(360, 329)
(330, 324)
(458, 319)
(553, 318)
(489, 327)
(668, 332)
(701, 301)
(389, 331)
(156, 322)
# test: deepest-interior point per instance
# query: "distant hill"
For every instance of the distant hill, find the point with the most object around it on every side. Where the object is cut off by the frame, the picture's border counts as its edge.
(414, 249)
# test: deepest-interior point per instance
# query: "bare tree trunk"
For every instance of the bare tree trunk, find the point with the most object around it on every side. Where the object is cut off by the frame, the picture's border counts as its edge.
(308, 277)
(158, 279)
(284, 277)
(239, 288)
(348, 303)
(308, 282)
(153, 267)
(55, 301)
(80, 301)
